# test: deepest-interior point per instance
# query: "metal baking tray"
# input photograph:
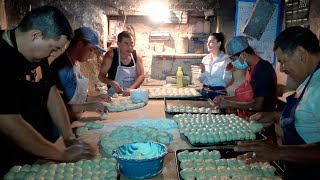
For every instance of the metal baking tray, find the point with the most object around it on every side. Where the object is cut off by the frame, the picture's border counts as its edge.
(225, 154)
(259, 136)
(183, 98)
(199, 102)
(176, 97)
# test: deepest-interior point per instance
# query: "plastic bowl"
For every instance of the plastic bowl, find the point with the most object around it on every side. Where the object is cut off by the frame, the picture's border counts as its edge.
(139, 95)
(140, 160)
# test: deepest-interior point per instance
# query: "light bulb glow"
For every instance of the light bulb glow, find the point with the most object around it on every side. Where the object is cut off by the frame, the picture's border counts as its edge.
(157, 11)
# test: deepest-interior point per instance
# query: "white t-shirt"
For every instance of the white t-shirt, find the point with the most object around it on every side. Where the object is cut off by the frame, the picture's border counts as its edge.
(307, 115)
(215, 74)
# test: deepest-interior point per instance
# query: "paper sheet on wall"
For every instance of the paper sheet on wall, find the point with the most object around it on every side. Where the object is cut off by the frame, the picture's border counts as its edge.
(264, 46)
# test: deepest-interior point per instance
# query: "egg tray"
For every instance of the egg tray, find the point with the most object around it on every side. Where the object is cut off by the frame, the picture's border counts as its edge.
(226, 153)
(259, 136)
(196, 102)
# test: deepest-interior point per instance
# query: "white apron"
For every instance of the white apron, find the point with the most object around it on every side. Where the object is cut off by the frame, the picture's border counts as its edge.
(125, 76)
(81, 92)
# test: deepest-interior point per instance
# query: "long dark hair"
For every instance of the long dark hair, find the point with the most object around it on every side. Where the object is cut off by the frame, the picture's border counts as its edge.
(220, 38)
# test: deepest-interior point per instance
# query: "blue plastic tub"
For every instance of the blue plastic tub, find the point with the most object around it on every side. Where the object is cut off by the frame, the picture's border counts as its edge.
(140, 160)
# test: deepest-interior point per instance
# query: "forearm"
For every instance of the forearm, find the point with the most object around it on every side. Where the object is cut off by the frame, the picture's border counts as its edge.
(26, 137)
(202, 76)
(77, 108)
(227, 76)
(103, 78)
(252, 106)
(307, 153)
(230, 98)
(59, 113)
(138, 82)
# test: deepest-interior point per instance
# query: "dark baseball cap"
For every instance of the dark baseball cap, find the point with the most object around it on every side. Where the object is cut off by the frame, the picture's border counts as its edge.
(236, 44)
(89, 35)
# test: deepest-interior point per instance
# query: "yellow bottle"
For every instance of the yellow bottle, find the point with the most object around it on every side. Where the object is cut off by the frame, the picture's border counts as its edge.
(179, 78)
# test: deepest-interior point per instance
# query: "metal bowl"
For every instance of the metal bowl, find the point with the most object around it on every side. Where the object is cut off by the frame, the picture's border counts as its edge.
(140, 160)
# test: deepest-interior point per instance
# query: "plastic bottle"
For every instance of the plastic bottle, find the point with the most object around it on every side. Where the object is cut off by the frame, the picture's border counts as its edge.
(179, 78)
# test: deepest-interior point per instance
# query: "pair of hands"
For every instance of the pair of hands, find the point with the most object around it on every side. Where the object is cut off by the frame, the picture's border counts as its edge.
(264, 151)
(96, 103)
(220, 102)
(117, 88)
(259, 151)
(76, 149)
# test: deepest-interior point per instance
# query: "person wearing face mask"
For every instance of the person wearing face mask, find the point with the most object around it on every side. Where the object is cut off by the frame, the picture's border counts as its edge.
(258, 92)
(122, 68)
(66, 71)
(215, 68)
(298, 53)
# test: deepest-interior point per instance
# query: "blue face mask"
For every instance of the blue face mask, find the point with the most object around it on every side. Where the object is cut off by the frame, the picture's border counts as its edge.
(237, 63)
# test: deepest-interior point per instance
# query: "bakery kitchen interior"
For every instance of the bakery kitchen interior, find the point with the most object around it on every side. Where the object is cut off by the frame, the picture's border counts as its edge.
(146, 84)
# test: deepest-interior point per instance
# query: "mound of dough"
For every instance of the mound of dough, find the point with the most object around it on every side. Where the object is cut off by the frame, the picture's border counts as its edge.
(128, 134)
(93, 125)
(81, 131)
(123, 104)
(103, 116)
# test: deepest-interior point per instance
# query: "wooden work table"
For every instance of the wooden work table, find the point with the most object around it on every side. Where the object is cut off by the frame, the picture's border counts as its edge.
(154, 110)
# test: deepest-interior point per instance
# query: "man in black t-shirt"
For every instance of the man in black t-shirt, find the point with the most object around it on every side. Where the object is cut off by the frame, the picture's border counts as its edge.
(29, 98)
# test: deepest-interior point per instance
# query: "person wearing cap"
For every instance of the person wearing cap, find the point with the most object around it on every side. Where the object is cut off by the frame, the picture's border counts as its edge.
(66, 71)
(258, 92)
(122, 67)
(215, 68)
(298, 52)
(30, 102)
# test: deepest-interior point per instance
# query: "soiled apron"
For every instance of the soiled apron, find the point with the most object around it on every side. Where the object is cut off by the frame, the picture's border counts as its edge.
(125, 76)
(244, 92)
(81, 92)
(290, 136)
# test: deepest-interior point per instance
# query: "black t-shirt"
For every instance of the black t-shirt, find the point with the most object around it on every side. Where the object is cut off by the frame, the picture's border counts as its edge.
(264, 84)
(23, 91)
(15, 69)
(115, 63)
